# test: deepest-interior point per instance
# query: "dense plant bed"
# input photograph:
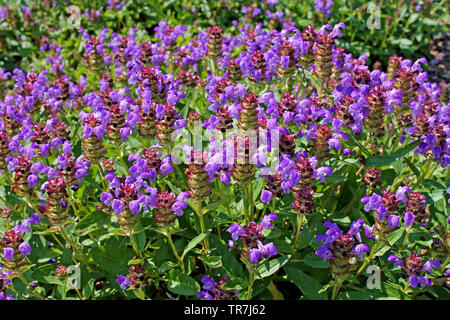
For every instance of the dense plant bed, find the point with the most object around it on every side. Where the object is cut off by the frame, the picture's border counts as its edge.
(248, 162)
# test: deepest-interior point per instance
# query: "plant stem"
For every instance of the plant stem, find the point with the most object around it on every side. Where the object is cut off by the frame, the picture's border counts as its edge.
(363, 147)
(336, 290)
(405, 289)
(408, 231)
(169, 239)
(100, 171)
(133, 243)
(250, 285)
(227, 205)
(202, 226)
(297, 233)
(141, 293)
(250, 199)
(78, 292)
(219, 235)
(244, 195)
(57, 240)
(445, 262)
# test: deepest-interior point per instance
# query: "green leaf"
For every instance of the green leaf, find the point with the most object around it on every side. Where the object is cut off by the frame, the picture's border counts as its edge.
(309, 286)
(335, 179)
(382, 251)
(405, 150)
(193, 243)
(180, 283)
(167, 266)
(91, 219)
(314, 261)
(88, 288)
(304, 239)
(379, 161)
(229, 261)
(112, 259)
(270, 267)
(412, 167)
(395, 236)
(140, 239)
(212, 261)
(235, 284)
(356, 295)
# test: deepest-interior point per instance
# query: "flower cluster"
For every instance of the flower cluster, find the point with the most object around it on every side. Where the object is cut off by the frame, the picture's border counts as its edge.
(213, 290)
(414, 269)
(251, 236)
(340, 248)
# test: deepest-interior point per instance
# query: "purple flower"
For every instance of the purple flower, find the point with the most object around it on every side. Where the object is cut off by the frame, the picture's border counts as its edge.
(118, 206)
(324, 253)
(267, 250)
(24, 248)
(34, 219)
(409, 219)
(413, 281)
(360, 249)
(208, 283)
(397, 261)
(124, 282)
(401, 194)
(134, 206)
(106, 198)
(321, 172)
(393, 221)
(8, 254)
(225, 177)
(266, 196)
(165, 168)
(266, 221)
(428, 266)
(368, 231)
(372, 202)
(205, 295)
(32, 181)
(179, 205)
(254, 255)
(324, 6)
(236, 231)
